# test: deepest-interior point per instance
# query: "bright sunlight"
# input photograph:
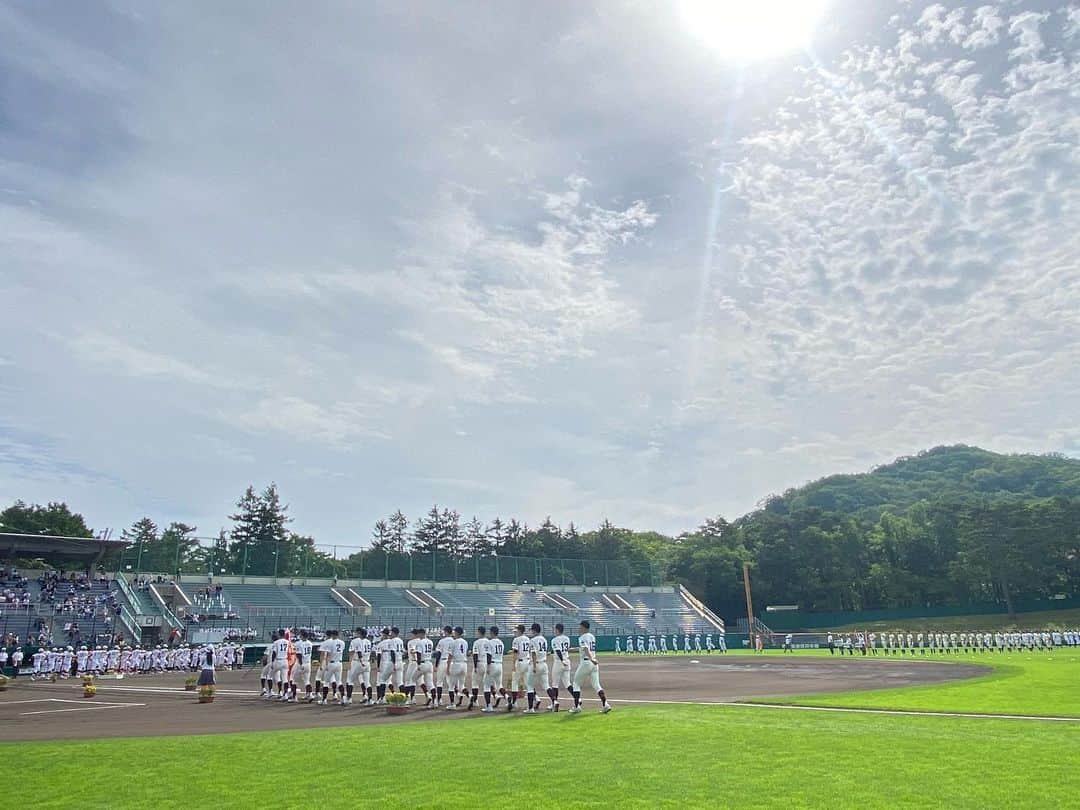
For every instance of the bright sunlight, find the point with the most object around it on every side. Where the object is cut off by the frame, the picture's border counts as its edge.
(748, 30)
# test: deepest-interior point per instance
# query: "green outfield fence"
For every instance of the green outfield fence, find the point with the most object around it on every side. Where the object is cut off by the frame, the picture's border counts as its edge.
(345, 562)
(798, 620)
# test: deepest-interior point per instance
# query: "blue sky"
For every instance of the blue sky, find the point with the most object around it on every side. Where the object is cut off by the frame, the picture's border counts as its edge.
(563, 259)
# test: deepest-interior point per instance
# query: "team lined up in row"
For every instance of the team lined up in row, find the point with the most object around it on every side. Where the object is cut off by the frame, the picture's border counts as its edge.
(895, 643)
(63, 662)
(649, 645)
(436, 669)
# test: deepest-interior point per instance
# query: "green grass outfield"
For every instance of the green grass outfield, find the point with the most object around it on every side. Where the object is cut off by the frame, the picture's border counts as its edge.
(1040, 684)
(637, 756)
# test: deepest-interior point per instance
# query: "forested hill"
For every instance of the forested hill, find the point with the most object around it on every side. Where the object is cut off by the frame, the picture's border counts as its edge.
(951, 525)
(953, 473)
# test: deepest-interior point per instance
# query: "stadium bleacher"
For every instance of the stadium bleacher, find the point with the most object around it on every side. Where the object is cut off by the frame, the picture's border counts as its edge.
(268, 603)
(261, 604)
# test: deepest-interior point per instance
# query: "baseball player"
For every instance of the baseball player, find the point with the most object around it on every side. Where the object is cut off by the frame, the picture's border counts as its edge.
(412, 666)
(442, 663)
(331, 651)
(423, 650)
(300, 672)
(539, 674)
(522, 659)
(384, 656)
(588, 668)
(359, 667)
(279, 670)
(560, 665)
(481, 657)
(455, 673)
(493, 679)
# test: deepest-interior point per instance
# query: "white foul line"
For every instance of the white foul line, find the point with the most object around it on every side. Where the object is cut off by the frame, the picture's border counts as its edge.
(85, 708)
(845, 709)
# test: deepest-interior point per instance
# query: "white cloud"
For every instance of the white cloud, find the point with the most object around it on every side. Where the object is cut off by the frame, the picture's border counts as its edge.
(525, 269)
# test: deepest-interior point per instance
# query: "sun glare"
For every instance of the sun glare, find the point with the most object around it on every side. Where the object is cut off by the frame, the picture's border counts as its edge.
(747, 30)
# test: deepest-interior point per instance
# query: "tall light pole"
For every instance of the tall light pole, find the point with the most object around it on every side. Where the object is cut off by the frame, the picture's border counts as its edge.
(749, 605)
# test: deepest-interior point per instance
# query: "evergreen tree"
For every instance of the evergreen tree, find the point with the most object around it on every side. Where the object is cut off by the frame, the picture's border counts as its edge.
(425, 535)
(141, 536)
(476, 542)
(381, 539)
(496, 535)
(450, 539)
(259, 532)
(399, 532)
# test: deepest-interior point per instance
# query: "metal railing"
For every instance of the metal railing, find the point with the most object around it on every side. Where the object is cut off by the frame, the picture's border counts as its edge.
(129, 592)
(166, 612)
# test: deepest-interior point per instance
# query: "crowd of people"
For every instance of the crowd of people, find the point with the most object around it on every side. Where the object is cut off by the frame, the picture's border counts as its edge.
(14, 590)
(658, 644)
(65, 662)
(945, 643)
(300, 668)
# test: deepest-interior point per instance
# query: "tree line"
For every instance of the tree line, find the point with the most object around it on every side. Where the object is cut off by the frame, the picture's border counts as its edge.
(951, 525)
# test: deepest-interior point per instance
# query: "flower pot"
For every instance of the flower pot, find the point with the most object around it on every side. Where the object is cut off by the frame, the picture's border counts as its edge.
(189, 687)
(206, 698)
(89, 691)
(397, 709)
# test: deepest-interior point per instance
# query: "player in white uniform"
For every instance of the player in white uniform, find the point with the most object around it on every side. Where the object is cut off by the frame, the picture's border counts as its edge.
(300, 673)
(359, 667)
(425, 679)
(279, 666)
(38, 661)
(412, 667)
(480, 660)
(455, 672)
(386, 666)
(493, 679)
(663, 644)
(560, 665)
(522, 660)
(708, 643)
(588, 668)
(396, 645)
(442, 664)
(264, 676)
(539, 673)
(331, 651)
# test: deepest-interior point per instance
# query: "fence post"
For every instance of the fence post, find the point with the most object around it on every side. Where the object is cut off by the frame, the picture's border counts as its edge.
(243, 570)
(497, 568)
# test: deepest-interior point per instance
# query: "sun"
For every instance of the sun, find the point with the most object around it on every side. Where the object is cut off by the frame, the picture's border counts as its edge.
(749, 30)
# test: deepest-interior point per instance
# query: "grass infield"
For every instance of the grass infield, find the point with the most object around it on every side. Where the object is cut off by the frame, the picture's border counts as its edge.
(637, 756)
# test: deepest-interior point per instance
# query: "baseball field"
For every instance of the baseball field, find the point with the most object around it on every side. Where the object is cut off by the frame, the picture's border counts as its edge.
(970, 731)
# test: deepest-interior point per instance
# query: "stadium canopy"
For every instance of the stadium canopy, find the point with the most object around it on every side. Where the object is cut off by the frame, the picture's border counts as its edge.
(86, 549)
